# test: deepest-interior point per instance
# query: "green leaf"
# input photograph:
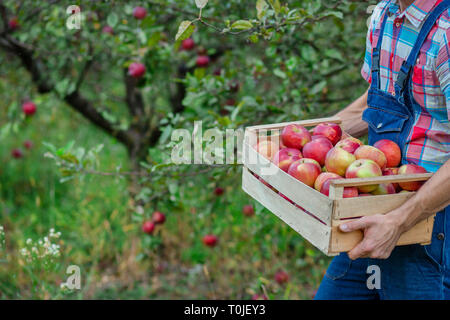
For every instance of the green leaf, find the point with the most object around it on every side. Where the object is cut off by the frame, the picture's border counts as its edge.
(318, 87)
(261, 9)
(112, 20)
(276, 6)
(336, 14)
(254, 38)
(185, 30)
(279, 73)
(201, 3)
(242, 25)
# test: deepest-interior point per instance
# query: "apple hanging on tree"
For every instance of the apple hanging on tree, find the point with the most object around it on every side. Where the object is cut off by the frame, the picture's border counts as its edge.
(203, 61)
(13, 23)
(188, 44)
(158, 217)
(29, 108)
(136, 70)
(139, 13)
(108, 30)
(28, 144)
(16, 153)
(148, 227)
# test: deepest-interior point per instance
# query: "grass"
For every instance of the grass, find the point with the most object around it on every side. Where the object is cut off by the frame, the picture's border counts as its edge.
(101, 234)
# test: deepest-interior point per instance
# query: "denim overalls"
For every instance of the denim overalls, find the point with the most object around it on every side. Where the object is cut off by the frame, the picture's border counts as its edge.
(413, 271)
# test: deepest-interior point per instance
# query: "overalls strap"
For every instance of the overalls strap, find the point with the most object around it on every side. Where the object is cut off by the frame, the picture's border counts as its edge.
(405, 69)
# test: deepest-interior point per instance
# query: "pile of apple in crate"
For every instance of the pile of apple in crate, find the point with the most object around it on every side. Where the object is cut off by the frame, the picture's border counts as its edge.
(314, 176)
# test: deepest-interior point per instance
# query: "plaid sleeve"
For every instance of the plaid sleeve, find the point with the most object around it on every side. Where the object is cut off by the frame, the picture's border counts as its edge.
(374, 21)
(443, 69)
(365, 70)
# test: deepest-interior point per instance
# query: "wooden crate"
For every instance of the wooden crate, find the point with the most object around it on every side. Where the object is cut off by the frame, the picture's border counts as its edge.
(310, 213)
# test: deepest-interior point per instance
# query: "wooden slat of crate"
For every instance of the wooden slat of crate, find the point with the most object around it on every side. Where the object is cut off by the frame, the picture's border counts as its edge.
(305, 123)
(313, 201)
(341, 242)
(359, 206)
(311, 229)
(370, 205)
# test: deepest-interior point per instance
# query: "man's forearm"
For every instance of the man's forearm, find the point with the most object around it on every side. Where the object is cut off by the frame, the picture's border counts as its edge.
(432, 197)
(351, 117)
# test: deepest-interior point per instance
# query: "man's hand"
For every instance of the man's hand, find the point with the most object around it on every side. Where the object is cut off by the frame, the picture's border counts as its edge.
(381, 233)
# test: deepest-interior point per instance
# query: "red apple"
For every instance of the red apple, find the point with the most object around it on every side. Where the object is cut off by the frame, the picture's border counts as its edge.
(202, 61)
(295, 136)
(108, 30)
(324, 176)
(308, 160)
(188, 44)
(29, 108)
(338, 160)
(365, 194)
(267, 148)
(364, 168)
(371, 153)
(331, 131)
(384, 188)
(411, 169)
(148, 227)
(219, 191)
(281, 277)
(136, 70)
(391, 150)
(304, 172)
(248, 210)
(392, 172)
(317, 149)
(158, 217)
(16, 153)
(349, 144)
(139, 13)
(13, 23)
(210, 240)
(349, 192)
(285, 157)
(28, 144)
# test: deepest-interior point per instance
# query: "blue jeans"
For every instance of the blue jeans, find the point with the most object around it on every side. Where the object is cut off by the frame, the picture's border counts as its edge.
(411, 272)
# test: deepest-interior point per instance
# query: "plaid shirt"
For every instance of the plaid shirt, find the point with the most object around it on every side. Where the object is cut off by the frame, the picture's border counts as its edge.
(428, 143)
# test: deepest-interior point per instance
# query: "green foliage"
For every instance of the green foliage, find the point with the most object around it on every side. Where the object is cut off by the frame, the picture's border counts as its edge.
(291, 60)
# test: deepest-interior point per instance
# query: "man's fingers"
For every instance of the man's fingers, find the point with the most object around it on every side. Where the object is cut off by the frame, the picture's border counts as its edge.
(360, 251)
(357, 224)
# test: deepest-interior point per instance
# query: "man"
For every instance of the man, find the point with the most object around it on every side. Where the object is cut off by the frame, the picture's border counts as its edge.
(407, 64)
